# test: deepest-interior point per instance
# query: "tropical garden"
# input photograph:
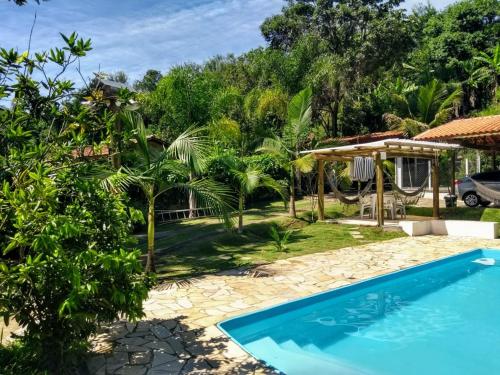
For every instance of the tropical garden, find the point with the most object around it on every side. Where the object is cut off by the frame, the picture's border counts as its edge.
(83, 169)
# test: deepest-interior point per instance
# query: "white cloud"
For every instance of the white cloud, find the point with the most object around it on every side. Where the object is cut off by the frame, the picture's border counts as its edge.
(157, 35)
(134, 35)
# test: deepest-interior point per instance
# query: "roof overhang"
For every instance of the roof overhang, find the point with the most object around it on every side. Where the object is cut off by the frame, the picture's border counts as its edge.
(391, 147)
(476, 132)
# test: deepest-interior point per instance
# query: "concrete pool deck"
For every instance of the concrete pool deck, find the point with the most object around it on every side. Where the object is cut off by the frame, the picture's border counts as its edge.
(179, 336)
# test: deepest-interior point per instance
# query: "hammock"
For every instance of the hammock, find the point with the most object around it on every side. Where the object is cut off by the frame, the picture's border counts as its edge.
(342, 197)
(487, 193)
(415, 193)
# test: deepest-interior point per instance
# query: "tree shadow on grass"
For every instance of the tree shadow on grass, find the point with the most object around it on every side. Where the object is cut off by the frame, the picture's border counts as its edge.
(224, 251)
(160, 346)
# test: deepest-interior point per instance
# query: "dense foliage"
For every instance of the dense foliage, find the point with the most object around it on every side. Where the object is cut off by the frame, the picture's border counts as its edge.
(67, 261)
(357, 56)
(209, 134)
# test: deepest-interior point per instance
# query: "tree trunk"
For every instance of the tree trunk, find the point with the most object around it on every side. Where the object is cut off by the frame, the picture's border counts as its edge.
(192, 200)
(335, 120)
(150, 263)
(241, 203)
(292, 210)
(298, 175)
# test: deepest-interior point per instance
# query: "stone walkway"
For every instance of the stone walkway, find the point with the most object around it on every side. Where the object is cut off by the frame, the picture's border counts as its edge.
(179, 336)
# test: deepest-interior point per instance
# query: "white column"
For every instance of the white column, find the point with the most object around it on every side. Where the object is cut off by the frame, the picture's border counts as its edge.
(399, 172)
(478, 161)
(466, 166)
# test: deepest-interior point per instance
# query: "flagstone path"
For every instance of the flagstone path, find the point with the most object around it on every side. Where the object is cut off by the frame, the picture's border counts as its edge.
(179, 336)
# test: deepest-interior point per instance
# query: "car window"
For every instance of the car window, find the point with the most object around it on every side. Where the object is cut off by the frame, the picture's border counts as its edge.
(487, 176)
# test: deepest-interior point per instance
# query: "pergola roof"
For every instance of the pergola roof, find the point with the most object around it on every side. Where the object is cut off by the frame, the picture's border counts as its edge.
(392, 147)
(372, 137)
(476, 132)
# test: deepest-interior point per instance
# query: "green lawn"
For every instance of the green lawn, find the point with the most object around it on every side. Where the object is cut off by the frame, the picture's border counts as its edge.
(203, 246)
(459, 213)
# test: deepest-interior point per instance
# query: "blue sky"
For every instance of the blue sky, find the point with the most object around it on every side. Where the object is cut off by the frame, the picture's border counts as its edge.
(135, 35)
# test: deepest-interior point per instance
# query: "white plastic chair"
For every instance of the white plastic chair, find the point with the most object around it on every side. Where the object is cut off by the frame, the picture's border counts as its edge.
(365, 203)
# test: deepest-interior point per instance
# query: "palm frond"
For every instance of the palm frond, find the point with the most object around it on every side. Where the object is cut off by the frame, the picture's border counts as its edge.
(191, 148)
(248, 180)
(119, 181)
(110, 180)
(452, 100)
(273, 146)
(411, 127)
(212, 194)
(134, 121)
(441, 117)
(304, 164)
(299, 118)
(268, 182)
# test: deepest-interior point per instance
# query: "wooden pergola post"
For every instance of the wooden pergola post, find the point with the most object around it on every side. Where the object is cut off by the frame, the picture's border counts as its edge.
(435, 187)
(379, 170)
(453, 171)
(321, 190)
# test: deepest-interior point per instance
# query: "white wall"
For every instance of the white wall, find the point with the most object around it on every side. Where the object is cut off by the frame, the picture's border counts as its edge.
(461, 228)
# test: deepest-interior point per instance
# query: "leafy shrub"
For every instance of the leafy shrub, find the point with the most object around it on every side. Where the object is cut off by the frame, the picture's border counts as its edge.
(280, 238)
(68, 268)
(65, 261)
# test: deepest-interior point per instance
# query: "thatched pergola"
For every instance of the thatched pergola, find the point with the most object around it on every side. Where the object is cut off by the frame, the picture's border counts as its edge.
(379, 151)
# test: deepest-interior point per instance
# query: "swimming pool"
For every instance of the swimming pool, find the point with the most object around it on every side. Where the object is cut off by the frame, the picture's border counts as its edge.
(438, 318)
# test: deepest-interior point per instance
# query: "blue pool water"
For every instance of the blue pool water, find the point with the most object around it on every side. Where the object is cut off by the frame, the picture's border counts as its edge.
(439, 318)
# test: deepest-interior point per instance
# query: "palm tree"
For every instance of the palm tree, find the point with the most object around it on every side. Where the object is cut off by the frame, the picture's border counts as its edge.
(294, 137)
(156, 172)
(491, 67)
(247, 180)
(429, 106)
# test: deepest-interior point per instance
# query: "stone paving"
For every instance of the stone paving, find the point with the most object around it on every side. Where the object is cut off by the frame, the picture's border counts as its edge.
(179, 336)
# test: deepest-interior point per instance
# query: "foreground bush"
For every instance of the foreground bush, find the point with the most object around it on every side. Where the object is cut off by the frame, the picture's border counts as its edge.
(65, 259)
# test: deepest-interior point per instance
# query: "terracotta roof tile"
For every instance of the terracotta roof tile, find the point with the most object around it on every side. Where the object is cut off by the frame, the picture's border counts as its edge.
(464, 128)
(91, 152)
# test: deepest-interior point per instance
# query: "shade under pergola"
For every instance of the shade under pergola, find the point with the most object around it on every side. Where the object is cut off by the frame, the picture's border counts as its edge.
(380, 150)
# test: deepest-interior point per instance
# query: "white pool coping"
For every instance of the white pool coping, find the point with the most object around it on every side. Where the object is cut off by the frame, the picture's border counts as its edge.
(463, 228)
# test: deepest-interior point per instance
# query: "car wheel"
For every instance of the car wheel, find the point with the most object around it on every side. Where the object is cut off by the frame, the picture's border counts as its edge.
(484, 203)
(471, 199)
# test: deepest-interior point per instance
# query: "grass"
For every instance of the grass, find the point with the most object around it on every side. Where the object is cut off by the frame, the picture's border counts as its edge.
(459, 213)
(202, 246)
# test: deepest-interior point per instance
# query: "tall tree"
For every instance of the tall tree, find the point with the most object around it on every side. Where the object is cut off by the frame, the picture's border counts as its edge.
(295, 135)
(157, 172)
(149, 82)
(450, 38)
(182, 99)
(359, 37)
